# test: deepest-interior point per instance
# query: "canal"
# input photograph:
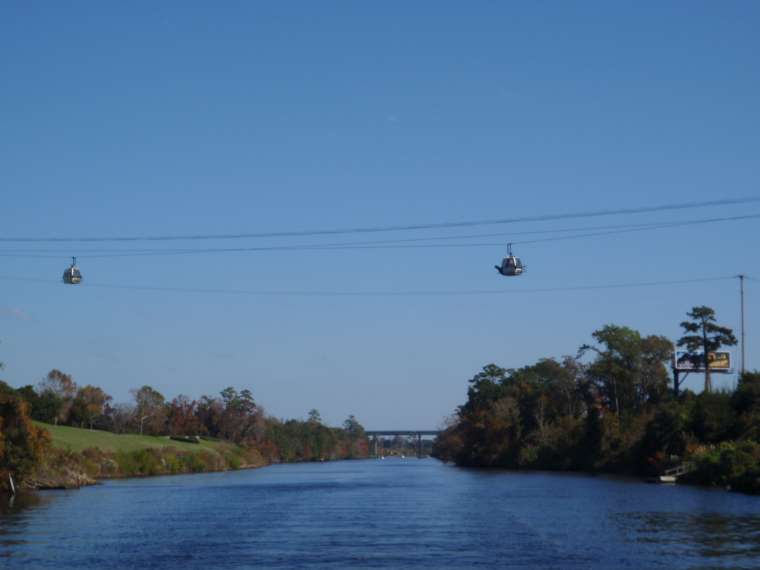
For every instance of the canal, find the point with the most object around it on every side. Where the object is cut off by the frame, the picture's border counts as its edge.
(396, 513)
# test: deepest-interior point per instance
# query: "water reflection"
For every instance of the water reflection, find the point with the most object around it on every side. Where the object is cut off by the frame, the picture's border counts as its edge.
(19, 503)
(13, 525)
(709, 535)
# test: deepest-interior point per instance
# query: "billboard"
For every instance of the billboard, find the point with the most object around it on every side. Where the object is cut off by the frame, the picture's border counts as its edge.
(718, 361)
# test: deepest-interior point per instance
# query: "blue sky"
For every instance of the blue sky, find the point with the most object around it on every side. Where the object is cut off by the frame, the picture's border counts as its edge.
(147, 118)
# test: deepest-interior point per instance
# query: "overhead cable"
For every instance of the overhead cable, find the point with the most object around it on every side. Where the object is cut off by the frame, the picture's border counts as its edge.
(408, 243)
(399, 227)
(387, 293)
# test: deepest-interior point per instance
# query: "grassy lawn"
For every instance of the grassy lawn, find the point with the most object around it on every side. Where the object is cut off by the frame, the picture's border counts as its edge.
(77, 439)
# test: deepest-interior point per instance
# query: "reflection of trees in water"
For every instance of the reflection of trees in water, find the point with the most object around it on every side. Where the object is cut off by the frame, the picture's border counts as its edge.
(714, 535)
(12, 521)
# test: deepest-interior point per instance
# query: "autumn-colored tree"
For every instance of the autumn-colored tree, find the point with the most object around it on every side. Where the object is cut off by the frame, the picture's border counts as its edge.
(22, 444)
(238, 416)
(357, 439)
(59, 389)
(182, 418)
(88, 405)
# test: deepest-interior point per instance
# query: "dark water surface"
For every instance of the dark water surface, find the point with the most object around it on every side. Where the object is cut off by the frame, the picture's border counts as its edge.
(380, 514)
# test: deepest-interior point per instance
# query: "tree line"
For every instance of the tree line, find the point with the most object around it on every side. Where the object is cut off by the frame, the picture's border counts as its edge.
(612, 407)
(232, 416)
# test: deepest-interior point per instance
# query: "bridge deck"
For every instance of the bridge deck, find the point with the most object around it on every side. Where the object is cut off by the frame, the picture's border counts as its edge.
(402, 432)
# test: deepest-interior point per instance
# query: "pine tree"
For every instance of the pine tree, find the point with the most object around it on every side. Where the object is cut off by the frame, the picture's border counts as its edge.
(703, 337)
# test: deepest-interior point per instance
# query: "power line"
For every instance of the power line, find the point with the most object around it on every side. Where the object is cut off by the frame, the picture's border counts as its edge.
(370, 242)
(388, 293)
(407, 243)
(394, 228)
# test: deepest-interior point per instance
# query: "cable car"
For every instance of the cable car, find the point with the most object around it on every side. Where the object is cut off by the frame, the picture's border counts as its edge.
(72, 275)
(511, 266)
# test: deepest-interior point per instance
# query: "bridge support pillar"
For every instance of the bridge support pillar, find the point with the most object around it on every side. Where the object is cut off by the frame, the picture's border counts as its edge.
(419, 446)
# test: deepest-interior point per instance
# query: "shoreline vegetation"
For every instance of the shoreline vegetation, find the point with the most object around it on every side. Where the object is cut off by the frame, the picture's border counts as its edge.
(60, 436)
(611, 409)
(608, 409)
(79, 457)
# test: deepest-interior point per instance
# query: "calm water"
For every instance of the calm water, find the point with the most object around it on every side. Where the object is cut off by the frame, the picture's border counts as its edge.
(381, 514)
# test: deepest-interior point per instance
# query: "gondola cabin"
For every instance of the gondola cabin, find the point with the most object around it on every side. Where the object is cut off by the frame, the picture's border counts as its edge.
(511, 266)
(72, 275)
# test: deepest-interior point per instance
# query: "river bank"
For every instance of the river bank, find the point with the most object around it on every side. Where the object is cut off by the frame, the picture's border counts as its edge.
(66, 469)
(559, 416)
(79, 457)
(730, 466)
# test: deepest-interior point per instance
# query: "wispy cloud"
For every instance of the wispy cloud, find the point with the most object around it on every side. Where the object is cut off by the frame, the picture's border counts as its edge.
(14, 313)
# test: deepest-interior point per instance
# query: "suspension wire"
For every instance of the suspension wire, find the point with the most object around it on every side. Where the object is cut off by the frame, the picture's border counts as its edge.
(651, 225)
(394, 228)
(392, 241)
(390, 244)
(389, 293)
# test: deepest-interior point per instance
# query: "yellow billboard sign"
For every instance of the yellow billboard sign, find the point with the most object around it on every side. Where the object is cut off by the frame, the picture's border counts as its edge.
(717, 361)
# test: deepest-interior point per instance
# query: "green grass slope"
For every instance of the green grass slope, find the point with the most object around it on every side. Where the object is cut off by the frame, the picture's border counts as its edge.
(77, 439)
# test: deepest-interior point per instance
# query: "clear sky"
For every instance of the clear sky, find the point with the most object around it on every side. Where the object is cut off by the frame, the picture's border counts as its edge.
(158, 118)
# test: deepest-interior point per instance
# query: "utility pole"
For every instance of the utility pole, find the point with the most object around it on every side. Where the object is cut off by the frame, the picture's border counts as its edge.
(741, 297)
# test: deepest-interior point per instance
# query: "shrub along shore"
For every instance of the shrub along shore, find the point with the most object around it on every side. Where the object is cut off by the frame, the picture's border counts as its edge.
(79, 457)
(60, 435)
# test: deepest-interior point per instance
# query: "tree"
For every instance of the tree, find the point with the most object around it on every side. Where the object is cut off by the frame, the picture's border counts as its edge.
(485, 388)
(239, 414)
(59, 387)
(42, 407)
(712, 418)
(209, 413)
(703, 337)
(89, 404)
(628, 370)
(182, 418)
(22, 444)
(746, 404)
(150, 407)
(357, 444)
(122, 417)
(655, 352)
(315, 417)
(665, 434)
(353, 428)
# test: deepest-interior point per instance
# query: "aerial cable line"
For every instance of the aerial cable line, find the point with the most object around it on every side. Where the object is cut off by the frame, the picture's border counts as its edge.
(388, 293)
(386, 244)
(421, 238)
(400, 227)
(622, 227)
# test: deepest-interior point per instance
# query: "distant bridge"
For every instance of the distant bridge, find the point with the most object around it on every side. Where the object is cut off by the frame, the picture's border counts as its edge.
(418, 433)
